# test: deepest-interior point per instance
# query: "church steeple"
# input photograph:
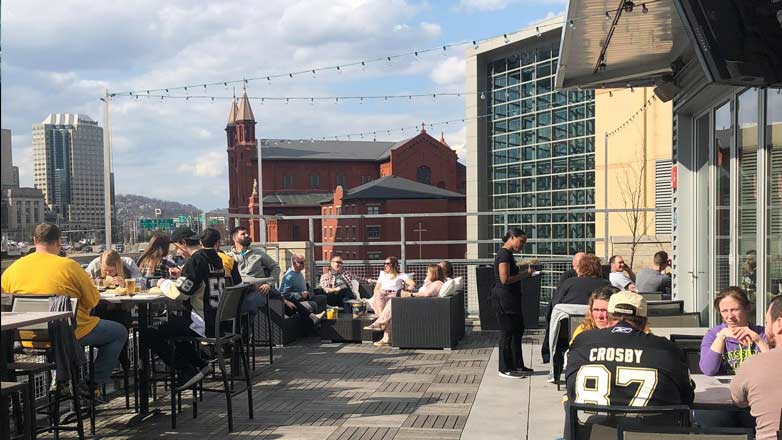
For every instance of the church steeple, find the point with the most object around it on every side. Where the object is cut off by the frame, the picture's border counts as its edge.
(234, 111)
(245, 112)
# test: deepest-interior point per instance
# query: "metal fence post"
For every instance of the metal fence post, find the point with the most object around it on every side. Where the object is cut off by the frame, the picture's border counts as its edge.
(311, 245)
(402, 256)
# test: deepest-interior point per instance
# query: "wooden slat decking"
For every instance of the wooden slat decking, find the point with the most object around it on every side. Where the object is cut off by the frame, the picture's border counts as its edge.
(331, 391)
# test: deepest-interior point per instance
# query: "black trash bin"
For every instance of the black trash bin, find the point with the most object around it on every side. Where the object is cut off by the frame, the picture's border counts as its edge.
(530, 303)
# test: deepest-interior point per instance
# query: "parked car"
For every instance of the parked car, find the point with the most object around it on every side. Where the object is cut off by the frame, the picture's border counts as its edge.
(119, 247)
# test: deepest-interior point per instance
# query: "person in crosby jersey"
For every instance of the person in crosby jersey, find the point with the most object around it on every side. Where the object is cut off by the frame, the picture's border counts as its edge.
(623, 366)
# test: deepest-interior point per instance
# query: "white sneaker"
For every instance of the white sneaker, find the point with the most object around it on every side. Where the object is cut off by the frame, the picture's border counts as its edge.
(317, 317)
(511, 375)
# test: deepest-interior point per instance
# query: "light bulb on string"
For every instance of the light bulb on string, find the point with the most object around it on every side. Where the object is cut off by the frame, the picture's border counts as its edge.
(608, 16)
(474, 44)
(268, 80)
(537, 31)
(644, 9)
(364, 66)
(571, 24)
(313, 74)
(290, 75)
(483, 95)
(339, 70)
(204, 87)
(505, 38)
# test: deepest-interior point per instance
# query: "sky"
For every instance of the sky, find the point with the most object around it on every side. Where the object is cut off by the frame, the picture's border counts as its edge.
(61, 56)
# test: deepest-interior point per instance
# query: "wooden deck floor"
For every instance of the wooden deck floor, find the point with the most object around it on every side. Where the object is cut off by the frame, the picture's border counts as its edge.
(335, 392)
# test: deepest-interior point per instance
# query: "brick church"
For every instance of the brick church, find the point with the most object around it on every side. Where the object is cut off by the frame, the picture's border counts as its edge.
(312, 178)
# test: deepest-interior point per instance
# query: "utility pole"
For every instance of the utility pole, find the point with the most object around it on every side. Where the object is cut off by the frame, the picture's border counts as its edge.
(107, 169)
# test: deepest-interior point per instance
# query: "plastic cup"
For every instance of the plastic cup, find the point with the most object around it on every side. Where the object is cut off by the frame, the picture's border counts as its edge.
(130, 285)
(331, 313)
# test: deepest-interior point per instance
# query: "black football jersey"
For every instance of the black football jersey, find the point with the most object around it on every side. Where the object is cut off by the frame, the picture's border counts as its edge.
(622, 366)
(203, 280)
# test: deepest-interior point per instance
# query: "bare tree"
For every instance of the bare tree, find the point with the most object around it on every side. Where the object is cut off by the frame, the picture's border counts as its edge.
(634, 216)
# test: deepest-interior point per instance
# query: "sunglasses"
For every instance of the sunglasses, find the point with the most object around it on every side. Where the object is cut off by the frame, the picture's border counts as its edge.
(387, 263)
(338, 262)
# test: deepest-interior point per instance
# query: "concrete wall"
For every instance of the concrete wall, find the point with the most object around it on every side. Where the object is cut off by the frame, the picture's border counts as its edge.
(639, 139)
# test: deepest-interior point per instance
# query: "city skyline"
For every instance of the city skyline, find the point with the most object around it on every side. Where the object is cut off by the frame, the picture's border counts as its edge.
(46, 74)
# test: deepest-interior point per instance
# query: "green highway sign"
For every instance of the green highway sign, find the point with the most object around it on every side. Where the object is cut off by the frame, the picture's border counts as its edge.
(156, 223)
(181, 219)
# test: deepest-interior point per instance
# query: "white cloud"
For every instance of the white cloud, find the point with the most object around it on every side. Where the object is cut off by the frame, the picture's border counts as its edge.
(432, 29)
(497, 5)
(60, 56)
(212, 164)
(450, 72)
(456, 140)
(483, 5)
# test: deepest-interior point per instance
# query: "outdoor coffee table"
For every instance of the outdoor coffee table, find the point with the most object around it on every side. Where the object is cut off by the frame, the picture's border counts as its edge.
(346, 328)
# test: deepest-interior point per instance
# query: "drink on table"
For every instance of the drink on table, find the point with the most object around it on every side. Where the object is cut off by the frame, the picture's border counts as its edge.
(130, 285)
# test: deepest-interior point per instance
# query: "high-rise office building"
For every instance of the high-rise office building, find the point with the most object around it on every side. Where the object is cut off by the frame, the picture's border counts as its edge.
(68, 168)
(530, 148)
(9, 174)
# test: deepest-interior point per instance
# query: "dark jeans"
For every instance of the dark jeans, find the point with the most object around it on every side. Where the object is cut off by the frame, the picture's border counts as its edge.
(511, 332)
(338, 299)
(187, 356)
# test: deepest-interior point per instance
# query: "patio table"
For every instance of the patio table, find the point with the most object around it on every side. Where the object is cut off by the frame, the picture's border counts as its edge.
(666, 332)
(712, 392)
(13, 321)
(142, 301)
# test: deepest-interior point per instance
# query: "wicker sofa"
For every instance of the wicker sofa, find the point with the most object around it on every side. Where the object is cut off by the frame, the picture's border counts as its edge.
(285, 329)
(428, 322)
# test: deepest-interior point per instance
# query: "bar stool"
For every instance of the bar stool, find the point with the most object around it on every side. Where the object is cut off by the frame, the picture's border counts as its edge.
(7, 389)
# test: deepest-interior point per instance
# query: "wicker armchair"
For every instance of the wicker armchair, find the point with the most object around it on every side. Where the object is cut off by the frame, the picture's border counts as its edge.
(428, 322)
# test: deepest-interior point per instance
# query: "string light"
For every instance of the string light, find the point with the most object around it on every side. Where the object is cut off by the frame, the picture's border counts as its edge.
(539, 28)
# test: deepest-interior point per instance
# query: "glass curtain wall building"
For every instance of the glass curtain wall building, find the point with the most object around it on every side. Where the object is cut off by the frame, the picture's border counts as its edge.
(540, 144)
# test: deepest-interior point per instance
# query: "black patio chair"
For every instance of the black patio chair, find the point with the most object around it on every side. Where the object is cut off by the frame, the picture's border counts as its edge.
(596, 422)
(227, 314)
(692, 319)
(632, 430)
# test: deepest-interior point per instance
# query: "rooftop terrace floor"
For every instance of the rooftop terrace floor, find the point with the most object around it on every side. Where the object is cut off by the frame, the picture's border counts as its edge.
(331, 391)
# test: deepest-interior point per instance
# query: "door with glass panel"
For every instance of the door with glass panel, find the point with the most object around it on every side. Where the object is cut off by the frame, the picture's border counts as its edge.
(721, 153)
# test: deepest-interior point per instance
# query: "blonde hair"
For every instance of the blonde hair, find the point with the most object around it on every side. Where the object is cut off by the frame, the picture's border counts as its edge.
(603, 293)
(435, 273)
(112, 258)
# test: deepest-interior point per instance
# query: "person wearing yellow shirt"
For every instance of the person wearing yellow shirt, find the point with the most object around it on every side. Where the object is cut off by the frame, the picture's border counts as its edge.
(44, 272)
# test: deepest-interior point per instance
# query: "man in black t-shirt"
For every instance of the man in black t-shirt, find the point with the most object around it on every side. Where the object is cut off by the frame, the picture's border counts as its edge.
(200, 284)
(623, 366)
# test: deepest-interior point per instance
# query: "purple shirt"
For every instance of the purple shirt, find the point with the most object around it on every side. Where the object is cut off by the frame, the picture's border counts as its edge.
(727, 362)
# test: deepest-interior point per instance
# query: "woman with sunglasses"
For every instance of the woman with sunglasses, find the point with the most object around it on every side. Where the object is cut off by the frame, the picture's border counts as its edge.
(506, 296)
(389, 283)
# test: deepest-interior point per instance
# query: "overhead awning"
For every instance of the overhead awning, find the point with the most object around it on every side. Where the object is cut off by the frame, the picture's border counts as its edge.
(641, 45)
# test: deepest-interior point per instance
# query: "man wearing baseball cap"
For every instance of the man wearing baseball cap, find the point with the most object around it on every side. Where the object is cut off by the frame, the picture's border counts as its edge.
(623, 366)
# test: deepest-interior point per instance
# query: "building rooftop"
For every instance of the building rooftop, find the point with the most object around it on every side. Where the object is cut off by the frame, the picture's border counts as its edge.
(26, 193)
(295, 199)
(68, 119)
(395, 187)
(300, 149)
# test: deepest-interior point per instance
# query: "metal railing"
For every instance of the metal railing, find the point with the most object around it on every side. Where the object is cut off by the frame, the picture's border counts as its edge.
(553, 265)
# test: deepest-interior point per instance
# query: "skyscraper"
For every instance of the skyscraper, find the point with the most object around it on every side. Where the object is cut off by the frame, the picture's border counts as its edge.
(68, 168)
(530, 148)
(9, 173)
